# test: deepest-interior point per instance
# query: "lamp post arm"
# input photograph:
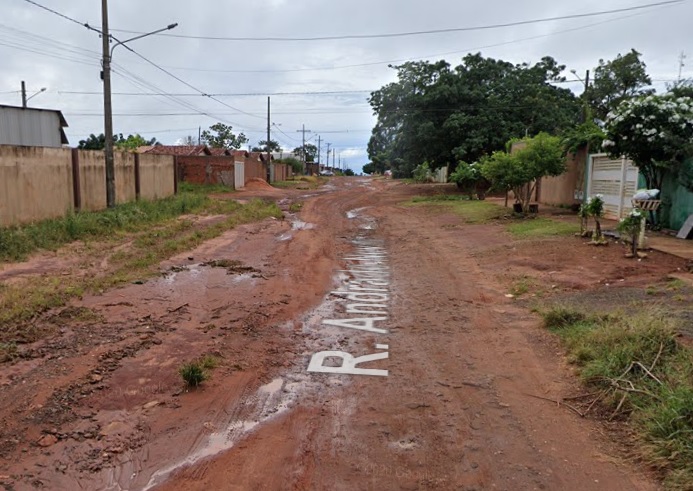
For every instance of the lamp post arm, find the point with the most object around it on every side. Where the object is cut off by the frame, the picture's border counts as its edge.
(119, 42)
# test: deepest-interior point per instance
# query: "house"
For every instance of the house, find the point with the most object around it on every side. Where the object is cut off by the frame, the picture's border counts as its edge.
(32, 127)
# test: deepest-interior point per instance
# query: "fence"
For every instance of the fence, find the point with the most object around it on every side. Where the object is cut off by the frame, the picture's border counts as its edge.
(220, 170)
(37, 183)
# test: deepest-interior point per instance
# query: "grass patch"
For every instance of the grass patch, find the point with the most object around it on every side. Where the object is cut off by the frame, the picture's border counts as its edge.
(192, 374)
(18, 242)
(295, 207)
(21, 302)
(642, 374)
(542, 227)
(471, 211)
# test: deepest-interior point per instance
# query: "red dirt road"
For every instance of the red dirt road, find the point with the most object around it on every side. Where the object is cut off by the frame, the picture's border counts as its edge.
(463, 405)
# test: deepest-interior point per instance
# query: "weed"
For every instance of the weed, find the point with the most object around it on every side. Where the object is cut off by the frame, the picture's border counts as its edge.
(522, 286)
(644, 375)
(8, 352)
(193, 374)
(295, 207)
(209, 362)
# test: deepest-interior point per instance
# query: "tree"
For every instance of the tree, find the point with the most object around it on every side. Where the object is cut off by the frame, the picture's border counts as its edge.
(349, 172)
(274, 146)
(221, 135)
(469, 179)
(296, 165)
(369, 168)
(656, 132)
(131, 143)
(442, 115)
(615, 81)
(519, 171)
(189, 141)
(311, 152)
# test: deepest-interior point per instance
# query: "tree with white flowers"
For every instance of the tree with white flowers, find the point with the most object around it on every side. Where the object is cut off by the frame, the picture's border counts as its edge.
(656, 132)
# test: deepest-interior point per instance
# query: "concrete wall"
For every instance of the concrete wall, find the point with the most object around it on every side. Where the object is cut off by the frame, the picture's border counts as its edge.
(156, 176)
(35, 183)
(282, 172)
(568, 188)
(92, 179)
(254, 169)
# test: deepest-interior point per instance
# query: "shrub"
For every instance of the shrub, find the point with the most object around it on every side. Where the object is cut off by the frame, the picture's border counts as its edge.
(193, 374)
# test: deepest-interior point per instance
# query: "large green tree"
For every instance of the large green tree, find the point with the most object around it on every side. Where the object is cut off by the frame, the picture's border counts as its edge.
(274, 146)
(438, 114)
(617, 80)
(311, 152)
(221, 135)
(131, 143)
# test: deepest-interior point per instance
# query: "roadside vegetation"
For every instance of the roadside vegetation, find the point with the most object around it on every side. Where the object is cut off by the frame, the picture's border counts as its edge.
(17, 243)
(636, 371)
(131, 249)
(301, 182)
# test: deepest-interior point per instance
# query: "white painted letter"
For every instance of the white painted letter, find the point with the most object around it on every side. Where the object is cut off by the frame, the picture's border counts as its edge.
(361, 324)
(348, 363)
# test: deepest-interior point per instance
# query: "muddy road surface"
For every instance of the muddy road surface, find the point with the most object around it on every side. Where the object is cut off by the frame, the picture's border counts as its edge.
(359, 344)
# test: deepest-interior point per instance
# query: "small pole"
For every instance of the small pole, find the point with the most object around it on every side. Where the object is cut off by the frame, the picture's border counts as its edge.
(23, 94)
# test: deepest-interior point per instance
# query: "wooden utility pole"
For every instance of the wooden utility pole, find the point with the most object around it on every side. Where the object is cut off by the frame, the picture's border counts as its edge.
(304, 131)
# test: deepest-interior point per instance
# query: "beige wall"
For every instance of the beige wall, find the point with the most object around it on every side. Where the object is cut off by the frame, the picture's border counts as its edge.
(125, 177)
(156, 176)
(561, 190)
(35, 183)
(92, 179)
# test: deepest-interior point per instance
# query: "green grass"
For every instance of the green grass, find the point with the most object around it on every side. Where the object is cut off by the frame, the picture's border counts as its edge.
(614, 354)
(471, 211)
(192, 374)
(17, 243)
(21, 302)
(542, 227)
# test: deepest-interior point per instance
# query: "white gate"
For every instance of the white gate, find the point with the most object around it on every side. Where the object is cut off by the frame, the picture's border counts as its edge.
(616, 180)
(239, 175)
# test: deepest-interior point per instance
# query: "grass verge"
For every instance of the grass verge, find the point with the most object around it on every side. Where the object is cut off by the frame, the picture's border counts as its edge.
(542, 227)
(640, 373)
(18, 242)
(22, 302)
(471, 211)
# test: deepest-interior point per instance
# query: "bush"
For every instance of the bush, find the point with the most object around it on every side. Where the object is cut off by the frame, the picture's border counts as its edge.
(422, 173)
(193, 374)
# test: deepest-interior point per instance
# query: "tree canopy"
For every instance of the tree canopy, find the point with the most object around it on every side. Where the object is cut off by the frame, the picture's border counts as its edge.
(274, 146)
(617, 80)
(656, 132)
(131, 143)
(220, 135)
(441, 115)
(311, 152)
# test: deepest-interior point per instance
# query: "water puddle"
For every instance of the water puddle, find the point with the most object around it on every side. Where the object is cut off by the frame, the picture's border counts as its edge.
(301, 225)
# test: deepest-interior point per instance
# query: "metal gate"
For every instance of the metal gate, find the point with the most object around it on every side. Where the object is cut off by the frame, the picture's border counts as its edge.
(616, 180)
(239, 175)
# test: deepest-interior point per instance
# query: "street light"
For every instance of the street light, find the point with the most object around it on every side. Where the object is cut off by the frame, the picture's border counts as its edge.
(43, 89)
(585, 102)
(108, 108)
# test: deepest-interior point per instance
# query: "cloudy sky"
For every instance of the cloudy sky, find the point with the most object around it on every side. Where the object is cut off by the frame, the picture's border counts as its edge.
(49, 51)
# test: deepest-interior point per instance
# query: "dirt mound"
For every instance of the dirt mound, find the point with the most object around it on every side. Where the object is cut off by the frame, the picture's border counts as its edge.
(257, 184)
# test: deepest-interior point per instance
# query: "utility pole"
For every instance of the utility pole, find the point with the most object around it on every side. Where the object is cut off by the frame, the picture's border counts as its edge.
(269, 155)
(682, 63)
(24, 94)
(333, 156)
(107, 107)
(319, 148)
(586, 106)
(304, 131)
(328, 154)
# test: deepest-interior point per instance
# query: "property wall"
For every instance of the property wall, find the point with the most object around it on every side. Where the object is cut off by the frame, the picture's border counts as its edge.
(92, 179)
(125, 177)
(207, 170)
(282, 172)
(156, 176)
(677, 203)
(569, 187)
(35, 183)
(254, 169)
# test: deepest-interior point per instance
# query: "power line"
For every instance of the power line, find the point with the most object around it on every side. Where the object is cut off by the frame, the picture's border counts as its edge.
(56, 13)
(241, 94)
(419, 33)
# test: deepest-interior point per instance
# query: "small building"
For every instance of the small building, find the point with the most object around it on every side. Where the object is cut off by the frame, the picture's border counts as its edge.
(32, 127)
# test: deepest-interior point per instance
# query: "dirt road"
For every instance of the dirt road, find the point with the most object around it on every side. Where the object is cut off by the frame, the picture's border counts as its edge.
(454, 395)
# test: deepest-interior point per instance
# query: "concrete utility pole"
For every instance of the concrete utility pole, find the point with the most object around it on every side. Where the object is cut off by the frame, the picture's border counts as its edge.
(319, 147)
(107, 106)
(23, 94)
(327, 164)
(269, 155)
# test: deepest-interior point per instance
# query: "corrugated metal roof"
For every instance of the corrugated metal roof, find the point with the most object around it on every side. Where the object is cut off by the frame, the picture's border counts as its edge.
(32, 127)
